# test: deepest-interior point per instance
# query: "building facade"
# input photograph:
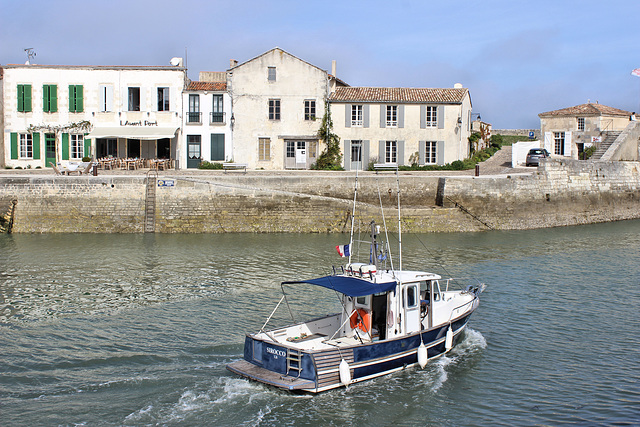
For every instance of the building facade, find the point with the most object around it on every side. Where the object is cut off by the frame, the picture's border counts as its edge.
(278, 103)
(207, 121)
(401, 125)
(53, 114)
(568, 131)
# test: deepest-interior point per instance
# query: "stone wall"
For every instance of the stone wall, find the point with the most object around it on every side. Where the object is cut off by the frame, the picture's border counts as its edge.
(558, 193)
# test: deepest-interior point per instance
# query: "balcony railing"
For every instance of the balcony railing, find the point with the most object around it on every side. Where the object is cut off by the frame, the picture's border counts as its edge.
(193, 117)
(217, 118)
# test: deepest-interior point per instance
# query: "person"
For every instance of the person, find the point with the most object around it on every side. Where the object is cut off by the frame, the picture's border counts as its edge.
(633, 117)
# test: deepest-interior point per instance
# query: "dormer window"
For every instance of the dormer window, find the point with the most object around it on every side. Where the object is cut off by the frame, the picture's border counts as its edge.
(271, 76)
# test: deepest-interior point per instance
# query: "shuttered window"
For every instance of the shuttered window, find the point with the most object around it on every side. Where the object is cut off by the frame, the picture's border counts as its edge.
(24, 98)
(264, 149)
(49, 98)
(76, 99)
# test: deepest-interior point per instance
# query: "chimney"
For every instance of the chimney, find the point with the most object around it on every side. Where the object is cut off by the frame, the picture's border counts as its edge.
(333, 68)
(233, 63)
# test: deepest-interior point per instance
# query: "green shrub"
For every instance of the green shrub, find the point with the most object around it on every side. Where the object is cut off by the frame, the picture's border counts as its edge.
(209, 165)
(86, 159)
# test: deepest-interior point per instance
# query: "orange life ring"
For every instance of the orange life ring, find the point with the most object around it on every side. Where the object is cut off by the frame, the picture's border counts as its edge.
(361, 319)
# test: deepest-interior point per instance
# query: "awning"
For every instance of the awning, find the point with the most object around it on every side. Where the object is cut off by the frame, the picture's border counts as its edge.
(131, 132)
(351, 286)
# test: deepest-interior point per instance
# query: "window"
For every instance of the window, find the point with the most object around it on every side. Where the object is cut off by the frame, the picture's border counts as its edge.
(26, 146)
(264, 149)
(163, 99)
(558, 143)
(193, 147)
(77, 146)
(390, 152)
(412, 300)
(392, 115)
(271, 76)
(309, 110)
(217, 115)
(580, 123)
(194, 109)
(432, 117)
(134, 99)
(356, 115)
(356, 151)
(274, 109)
(76, 101)
(24, 98)
(291, 149)
(49, 98)
(106, 98)
(430, 153)
(313, 149)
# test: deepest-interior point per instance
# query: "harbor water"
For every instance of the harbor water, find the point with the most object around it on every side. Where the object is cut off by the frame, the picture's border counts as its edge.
(137, 329)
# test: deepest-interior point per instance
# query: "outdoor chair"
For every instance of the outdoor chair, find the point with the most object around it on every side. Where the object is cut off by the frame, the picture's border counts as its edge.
(55, 169)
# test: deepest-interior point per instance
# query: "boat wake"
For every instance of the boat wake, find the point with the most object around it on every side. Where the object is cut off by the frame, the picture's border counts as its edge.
(472, 343)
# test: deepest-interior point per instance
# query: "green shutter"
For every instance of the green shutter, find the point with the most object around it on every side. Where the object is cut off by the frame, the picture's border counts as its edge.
(65, 146)
(45, 98)
(72, 99)
(20, 98)
(36, 145)
(79, 99)
(87, 147)
(14, 145)
(53, 98)
(27, 98)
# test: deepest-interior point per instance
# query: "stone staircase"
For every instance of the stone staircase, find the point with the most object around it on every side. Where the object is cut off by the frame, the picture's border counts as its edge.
(609, 138)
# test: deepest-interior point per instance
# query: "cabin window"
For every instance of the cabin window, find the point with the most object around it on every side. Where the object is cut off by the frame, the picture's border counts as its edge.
(436, 290)
(362, 301)
(412, 296)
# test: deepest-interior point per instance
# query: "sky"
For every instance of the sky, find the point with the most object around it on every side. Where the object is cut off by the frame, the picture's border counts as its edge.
(517, 58)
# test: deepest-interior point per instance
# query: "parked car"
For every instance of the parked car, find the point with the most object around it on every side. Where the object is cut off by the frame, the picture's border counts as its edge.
(535, 154)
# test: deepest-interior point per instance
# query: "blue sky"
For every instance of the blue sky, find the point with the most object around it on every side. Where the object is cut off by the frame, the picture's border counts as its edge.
(518, 58)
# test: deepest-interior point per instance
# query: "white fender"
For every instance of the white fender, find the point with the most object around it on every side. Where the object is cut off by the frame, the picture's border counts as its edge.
(448, 340)
(345, 373)
(423, 356)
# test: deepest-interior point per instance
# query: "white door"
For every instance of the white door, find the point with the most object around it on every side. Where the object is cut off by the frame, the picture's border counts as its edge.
(412, 308)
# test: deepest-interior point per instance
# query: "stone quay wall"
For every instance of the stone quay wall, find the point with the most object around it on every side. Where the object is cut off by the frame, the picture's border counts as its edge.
(558, 193)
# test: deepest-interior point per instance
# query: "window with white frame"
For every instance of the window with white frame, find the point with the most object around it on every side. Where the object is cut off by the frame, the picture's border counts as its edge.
(430, 153)
(26, 146)
(106, 98)
(163, 99)
(264, 149)
(391, 152)
(77, 146)
(309, 109)
(274, 109)
(558, 143)
(291, 149)
(580, 123)
(432, 116)
(356, 115)
(134, 99)
(392, 115)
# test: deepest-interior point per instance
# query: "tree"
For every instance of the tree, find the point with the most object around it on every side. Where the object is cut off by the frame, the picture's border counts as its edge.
(331, 157)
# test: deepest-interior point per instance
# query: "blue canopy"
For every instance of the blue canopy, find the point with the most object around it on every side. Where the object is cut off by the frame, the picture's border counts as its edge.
(351, 286)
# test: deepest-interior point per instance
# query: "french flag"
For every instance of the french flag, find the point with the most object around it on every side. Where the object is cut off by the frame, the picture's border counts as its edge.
(343, 250)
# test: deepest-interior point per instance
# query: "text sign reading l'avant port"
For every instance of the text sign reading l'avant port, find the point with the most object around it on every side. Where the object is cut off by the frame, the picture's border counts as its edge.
(166, 183)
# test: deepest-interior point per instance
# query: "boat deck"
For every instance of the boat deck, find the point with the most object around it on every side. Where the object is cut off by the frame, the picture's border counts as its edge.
(249, 370)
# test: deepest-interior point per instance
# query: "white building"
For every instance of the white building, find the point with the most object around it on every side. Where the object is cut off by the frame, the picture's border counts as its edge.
(207, 121)
(401, 125)
(278, 104)
(132, 111)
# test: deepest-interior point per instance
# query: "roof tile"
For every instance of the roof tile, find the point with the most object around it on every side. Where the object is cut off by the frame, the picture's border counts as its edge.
(587, 109)
(212, 86)
(399, 95)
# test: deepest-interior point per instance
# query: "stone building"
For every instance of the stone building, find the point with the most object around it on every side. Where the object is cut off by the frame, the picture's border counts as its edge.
(278, 103)
(402, 125)
(568, 131)
(207, 121)
(130, 111)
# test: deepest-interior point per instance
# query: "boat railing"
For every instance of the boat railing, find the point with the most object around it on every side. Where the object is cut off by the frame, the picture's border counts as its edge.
(456, 309)
(461, 283)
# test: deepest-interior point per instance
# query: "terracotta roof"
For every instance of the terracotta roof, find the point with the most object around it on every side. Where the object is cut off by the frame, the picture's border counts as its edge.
(212, 86)
(399, 94)
(588, 109)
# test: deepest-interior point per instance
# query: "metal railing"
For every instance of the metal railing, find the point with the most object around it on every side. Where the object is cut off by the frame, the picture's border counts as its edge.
(194, 117)
(217, 118)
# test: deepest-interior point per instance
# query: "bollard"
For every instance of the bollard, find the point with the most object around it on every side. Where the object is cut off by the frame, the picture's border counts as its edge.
(95, 170)
(477, 170)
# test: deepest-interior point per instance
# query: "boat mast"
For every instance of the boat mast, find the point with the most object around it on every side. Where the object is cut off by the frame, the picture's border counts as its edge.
(399, 220)
(353, 215)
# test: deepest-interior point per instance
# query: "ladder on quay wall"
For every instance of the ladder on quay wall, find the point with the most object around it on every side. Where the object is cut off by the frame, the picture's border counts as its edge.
(150, 202)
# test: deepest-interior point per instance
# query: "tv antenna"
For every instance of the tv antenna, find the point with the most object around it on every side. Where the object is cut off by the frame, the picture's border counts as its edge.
(30, 55)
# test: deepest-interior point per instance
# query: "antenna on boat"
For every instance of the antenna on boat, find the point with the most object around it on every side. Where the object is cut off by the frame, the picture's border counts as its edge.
(353, 212)
(399, 221)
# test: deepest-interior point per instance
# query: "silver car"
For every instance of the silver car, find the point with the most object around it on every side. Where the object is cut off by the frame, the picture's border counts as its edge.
(534, 155)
